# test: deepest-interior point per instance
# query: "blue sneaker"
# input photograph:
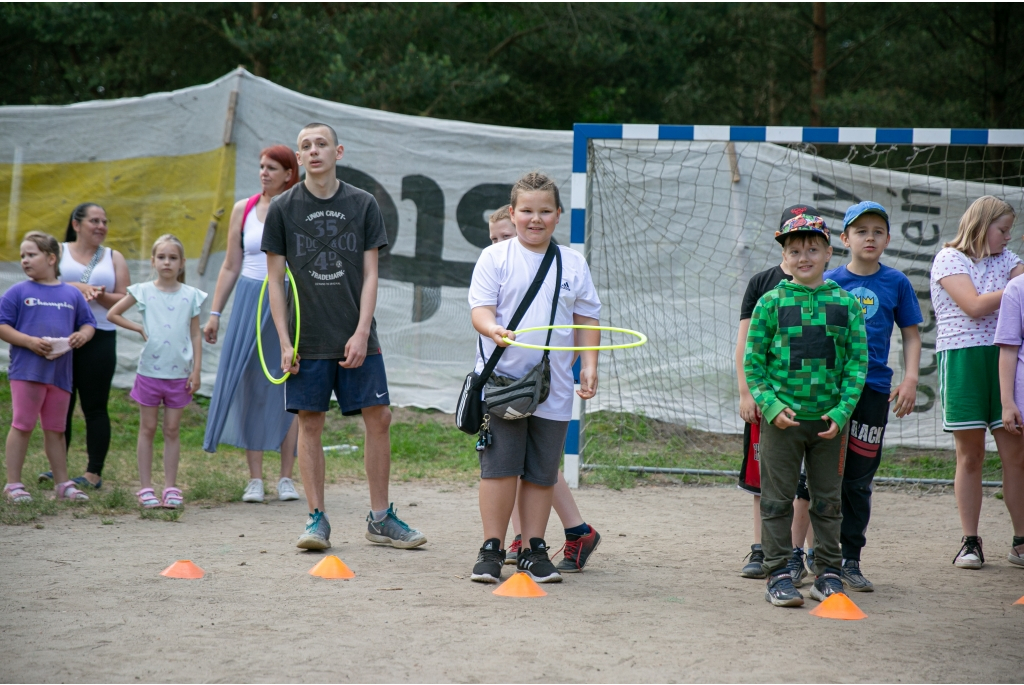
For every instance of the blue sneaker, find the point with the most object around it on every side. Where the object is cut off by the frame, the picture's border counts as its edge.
(318, 532)
(780, 590)
(797, 570)
(827, 584)
(46, 476)
(393, 531)
(82, 481)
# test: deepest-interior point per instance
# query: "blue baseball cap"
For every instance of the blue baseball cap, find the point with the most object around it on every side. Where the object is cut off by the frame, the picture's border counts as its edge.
(866, 207)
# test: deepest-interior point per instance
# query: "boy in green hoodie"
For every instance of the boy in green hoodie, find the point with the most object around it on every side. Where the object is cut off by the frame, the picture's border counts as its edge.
(806, 362)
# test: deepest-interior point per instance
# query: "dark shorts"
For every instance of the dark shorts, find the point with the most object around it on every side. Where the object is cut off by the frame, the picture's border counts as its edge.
(529, 448)
(750, 469)
(356, 389)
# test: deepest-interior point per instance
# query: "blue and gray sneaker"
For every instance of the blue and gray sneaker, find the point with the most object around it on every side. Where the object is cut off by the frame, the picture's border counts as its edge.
(780, 591)
(827, 584)
(797, 570)
(853, 578)
(393, 531)
(318, 532)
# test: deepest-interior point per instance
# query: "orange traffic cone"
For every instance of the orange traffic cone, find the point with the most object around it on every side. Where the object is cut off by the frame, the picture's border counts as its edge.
(1020, 601)
(519, 585)
(183, 569)
(838, 606)
(332, 567)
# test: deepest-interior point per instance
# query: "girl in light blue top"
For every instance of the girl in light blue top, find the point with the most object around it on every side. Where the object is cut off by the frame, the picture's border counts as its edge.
(169, 368)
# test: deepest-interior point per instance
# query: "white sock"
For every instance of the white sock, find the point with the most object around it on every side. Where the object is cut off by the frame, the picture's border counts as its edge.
(379, 516)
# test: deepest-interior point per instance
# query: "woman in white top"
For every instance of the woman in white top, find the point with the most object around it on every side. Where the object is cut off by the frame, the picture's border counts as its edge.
(246, 410)
(101, 273)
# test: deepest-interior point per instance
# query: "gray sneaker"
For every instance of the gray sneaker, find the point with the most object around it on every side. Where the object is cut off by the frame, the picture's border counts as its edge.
(393, 531)
(318, 532)
(853, 579)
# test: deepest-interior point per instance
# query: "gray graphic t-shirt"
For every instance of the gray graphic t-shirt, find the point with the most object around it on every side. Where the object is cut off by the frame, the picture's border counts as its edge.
(324, 241)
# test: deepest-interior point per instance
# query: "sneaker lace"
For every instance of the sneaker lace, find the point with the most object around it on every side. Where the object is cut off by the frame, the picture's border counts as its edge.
(393, 514)
(314, 521)
(573, 550)
(515, 546)
(796, 562)
(971, 544)
(751, 553)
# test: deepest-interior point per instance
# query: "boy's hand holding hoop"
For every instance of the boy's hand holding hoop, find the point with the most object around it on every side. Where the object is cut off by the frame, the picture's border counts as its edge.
(498, 335)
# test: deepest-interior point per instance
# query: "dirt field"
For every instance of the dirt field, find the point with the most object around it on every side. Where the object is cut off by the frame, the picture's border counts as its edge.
(662, 601)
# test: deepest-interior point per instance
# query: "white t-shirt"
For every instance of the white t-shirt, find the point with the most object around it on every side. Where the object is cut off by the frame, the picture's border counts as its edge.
(501, 278)
(955, 329)
(254, 260)
(167, 318)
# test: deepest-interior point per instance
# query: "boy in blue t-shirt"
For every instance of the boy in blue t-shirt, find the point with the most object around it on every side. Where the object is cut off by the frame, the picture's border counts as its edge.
(887, 298)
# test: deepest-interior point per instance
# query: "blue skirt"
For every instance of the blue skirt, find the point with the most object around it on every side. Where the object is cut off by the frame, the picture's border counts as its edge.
(247, 410)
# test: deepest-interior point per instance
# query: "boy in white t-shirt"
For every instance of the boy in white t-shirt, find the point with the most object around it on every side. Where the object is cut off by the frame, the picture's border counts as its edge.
(581, 539)
(530, 449)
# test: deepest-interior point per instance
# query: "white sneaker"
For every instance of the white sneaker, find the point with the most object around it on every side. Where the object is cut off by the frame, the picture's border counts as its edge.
(286, 490)
(253, 491)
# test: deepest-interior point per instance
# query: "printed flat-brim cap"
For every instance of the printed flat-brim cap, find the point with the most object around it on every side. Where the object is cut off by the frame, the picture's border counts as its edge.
(796, 210)
(803, 223)
(866, 207)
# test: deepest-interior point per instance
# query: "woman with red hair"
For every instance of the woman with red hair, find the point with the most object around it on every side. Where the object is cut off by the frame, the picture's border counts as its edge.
(246, 410)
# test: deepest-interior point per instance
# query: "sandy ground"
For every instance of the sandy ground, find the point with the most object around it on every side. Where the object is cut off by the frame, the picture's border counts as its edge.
(661, 601)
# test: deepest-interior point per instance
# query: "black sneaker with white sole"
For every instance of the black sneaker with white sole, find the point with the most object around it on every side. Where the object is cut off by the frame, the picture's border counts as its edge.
(781, 592)
(797, 570)
(853, 579)
(755, 563)
(534, 562)
(489, 562)
(828, 583)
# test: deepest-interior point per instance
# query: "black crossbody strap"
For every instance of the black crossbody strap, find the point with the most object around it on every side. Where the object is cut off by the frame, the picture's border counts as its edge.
(538, 280)
(554, 299)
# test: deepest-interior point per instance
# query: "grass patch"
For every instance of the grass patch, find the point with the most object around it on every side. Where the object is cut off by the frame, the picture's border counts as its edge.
(425, 444)
(615, 439)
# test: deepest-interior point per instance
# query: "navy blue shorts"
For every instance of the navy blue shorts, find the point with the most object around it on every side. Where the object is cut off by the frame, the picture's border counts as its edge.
(310, 389)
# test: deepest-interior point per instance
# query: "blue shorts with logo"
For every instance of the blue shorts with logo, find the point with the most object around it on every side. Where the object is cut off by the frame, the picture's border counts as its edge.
(310, 389)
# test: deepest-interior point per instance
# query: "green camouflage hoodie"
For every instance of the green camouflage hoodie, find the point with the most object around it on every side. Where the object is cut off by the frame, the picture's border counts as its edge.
(807, 350)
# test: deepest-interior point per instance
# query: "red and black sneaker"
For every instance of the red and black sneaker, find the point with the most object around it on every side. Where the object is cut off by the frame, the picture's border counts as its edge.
(512, 554)
(577, 551)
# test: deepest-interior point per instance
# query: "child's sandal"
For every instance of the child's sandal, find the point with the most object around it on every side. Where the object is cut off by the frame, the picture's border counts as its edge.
(172, 498)
(16, 492)
(147, 498)
(67, 490)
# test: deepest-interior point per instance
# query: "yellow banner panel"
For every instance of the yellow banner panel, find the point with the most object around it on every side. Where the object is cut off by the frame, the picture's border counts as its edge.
(143, 198)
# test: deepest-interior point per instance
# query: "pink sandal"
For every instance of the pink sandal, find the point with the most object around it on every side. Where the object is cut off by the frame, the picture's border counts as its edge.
(172, 498)
(17, 493)
(147, 498)
(67, 490)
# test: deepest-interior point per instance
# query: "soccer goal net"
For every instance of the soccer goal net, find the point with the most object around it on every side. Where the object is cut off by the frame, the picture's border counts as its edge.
(676, 219)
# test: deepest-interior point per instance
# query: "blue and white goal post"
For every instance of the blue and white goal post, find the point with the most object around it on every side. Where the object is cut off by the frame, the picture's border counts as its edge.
(584, 134)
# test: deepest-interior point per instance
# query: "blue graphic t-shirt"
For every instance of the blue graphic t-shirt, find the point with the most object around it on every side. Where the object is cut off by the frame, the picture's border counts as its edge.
(887, 297)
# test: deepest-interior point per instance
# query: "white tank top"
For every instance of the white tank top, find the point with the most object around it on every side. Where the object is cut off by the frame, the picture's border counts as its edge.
(254, 260)
(102, 274)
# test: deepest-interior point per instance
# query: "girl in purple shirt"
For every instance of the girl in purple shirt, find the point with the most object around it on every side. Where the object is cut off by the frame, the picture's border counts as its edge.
(41, 319)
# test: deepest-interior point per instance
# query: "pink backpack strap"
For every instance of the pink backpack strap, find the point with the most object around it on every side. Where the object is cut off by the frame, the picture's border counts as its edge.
(250, 203)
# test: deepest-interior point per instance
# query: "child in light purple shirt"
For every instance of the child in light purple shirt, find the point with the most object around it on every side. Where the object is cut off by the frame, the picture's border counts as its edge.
(41, 319)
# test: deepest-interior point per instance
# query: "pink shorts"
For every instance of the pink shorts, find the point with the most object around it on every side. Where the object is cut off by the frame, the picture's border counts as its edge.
(150, 392)
(39, 401)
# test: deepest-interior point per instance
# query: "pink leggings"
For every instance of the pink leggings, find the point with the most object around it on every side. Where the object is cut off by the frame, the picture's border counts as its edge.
(39, 400)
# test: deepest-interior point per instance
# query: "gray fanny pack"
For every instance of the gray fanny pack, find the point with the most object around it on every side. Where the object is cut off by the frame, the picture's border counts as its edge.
(516, 398)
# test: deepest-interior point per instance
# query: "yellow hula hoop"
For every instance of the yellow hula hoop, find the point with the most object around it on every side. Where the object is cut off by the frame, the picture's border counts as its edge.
(259, 328)
(642, 339)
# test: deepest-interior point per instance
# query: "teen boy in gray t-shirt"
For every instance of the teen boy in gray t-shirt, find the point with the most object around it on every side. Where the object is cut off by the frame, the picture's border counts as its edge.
(330, 232)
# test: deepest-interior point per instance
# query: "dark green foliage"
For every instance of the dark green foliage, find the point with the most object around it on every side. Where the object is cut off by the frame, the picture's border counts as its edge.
(542, 65)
